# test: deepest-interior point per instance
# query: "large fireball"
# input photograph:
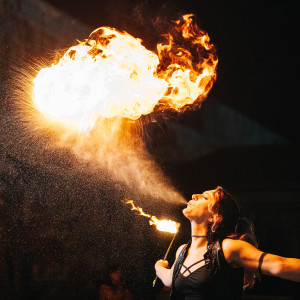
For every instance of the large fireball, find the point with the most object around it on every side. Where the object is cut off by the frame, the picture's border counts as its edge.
(111, 74)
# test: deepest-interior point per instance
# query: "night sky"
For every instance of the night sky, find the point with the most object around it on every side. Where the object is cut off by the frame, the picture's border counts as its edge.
(255, 41)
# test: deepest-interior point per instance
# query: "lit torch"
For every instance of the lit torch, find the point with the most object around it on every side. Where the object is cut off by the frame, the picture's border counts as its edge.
(162, 225)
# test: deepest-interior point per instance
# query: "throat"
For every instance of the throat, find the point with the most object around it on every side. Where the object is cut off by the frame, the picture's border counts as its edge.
(199, 243)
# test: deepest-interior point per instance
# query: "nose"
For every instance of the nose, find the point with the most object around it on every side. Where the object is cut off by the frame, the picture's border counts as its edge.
(196, 197)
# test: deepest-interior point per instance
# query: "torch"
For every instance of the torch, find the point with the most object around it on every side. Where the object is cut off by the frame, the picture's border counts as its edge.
(162, 225)
(167, 252)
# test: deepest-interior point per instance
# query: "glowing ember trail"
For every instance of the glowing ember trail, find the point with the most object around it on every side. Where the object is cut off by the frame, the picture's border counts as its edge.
(162, 225)
(111, 74)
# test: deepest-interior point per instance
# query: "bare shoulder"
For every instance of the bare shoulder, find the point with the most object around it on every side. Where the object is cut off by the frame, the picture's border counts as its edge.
(239, 253)
(232, 249)
(231, 245)
(179, 249)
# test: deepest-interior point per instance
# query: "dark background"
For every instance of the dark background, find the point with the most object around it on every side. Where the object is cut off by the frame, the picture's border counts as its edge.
(62, 226)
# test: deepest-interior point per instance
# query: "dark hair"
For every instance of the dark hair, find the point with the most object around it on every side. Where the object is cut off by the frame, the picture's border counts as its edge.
(226, 222)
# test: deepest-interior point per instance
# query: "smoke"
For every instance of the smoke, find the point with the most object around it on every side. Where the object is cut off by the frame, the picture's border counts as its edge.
(116, 146)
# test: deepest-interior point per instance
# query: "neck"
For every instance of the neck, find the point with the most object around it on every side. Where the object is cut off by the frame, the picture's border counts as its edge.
(198, 231)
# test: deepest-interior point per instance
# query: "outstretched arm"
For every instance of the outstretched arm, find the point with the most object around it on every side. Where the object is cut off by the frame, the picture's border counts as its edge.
(163, 272)
(242, 254)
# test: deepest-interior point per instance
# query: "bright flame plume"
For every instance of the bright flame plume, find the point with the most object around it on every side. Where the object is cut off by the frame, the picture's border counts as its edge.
(111, 74)
(162, 225)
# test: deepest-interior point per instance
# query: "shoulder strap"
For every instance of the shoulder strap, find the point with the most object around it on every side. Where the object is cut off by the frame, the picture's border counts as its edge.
(179, 262)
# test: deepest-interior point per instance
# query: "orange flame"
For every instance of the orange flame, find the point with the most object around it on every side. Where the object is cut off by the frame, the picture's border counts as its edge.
(111, 74)
(162, 225)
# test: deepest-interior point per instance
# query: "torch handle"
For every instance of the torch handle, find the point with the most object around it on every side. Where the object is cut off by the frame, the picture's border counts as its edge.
(166, 254)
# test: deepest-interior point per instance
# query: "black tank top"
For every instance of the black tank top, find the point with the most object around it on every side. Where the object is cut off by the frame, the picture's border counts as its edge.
(202, 285)
(194, 285)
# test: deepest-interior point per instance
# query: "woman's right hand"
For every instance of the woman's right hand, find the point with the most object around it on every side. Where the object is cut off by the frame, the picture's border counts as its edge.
(161, 263)
(163, 270)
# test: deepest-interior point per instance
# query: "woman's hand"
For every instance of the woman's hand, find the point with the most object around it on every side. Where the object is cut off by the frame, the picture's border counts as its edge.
(161, 263)
(163, 272)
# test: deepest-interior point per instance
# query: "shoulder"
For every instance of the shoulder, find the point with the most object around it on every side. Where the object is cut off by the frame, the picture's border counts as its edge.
(234, 250)
(230, 249)
(231, 245)
(180, 249)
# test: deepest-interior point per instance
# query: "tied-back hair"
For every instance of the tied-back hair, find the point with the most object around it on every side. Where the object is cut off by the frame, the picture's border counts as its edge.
(226, 222)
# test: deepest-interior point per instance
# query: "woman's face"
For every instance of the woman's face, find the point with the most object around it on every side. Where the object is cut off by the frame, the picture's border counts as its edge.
(198, 208)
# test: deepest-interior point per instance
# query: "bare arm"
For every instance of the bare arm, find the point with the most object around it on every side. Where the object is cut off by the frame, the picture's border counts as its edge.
(242, 254)
(163, 272)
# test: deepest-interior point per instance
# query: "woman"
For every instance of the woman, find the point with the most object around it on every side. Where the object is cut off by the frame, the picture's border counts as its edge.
(221, 259)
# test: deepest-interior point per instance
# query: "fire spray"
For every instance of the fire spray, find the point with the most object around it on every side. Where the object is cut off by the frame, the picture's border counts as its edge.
(111, 74)
(89, 98)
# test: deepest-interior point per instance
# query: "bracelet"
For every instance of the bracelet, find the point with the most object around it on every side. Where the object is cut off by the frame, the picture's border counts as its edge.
(260, 262)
